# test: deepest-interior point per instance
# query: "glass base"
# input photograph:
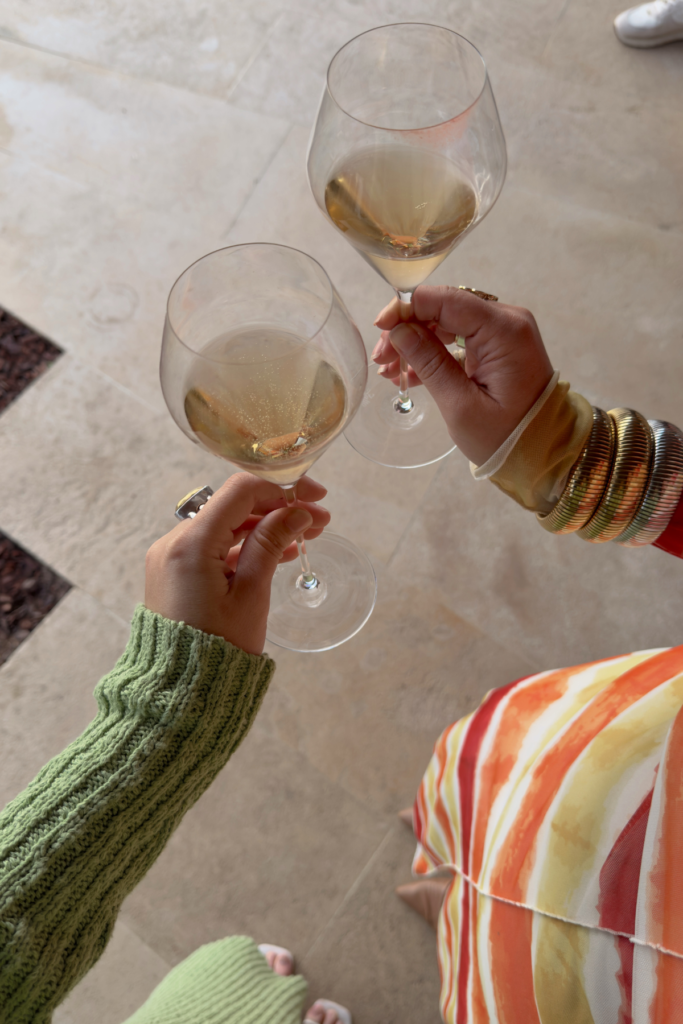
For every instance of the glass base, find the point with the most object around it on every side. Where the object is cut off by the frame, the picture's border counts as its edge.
(321, 618)
(385, 434)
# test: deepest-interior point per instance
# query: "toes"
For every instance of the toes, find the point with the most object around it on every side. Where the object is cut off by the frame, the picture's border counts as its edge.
(283, 964)
(322, 1016)
(270, 959)
(406, 816)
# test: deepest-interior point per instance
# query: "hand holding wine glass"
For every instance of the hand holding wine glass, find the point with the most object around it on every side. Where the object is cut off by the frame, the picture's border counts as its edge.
(215, 571)
(506, 366)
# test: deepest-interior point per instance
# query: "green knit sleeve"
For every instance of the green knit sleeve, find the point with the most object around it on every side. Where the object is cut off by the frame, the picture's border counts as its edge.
(94, 820)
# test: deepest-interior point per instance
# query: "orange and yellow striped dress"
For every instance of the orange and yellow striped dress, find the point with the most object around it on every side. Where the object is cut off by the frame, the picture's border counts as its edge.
(558, 807)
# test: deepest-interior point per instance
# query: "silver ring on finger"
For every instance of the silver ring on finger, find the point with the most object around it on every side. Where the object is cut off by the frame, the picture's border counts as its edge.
(194, 502)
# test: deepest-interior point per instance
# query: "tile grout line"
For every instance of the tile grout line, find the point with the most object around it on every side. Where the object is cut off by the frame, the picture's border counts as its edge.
(128, 924)
(412, 517)
(250, 63)
(350, 893)
(259, 178)
(117, 384)
(554, 30)
(130, 76)
(520, 651)
(594, 211)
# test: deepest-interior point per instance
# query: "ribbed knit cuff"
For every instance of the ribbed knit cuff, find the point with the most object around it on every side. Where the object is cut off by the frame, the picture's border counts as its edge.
(226, 982)
(86, 830)
(162, 646)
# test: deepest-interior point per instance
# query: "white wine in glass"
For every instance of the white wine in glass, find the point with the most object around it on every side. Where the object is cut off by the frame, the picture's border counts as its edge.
(285, 402)
(262, 365)
(407, 156)
(403, 209)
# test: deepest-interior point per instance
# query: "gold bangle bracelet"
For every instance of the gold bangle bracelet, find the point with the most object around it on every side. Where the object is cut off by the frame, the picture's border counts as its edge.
(587, 480)
(664, 489)
(628, 480)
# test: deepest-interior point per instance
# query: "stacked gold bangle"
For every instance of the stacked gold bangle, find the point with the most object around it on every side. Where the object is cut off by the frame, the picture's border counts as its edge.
(626, 483)
(587, 480)
(664, 488)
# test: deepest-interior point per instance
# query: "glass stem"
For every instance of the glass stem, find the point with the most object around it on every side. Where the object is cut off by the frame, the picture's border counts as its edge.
(308, 580)
(404, 402)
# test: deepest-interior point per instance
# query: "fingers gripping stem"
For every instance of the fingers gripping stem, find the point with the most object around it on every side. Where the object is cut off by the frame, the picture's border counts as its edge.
(309, 580)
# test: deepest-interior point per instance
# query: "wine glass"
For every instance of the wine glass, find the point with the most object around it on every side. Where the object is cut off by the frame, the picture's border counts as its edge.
(406, 157)
(262, 365)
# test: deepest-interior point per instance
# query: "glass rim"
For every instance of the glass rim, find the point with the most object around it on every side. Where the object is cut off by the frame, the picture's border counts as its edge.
(234, 248)
(401, 24)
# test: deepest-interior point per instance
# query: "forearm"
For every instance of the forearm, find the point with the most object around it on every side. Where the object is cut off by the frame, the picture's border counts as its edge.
(606, 476)
(86, 830)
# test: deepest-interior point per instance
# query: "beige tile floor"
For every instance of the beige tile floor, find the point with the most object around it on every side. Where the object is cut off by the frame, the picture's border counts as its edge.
(134, 137)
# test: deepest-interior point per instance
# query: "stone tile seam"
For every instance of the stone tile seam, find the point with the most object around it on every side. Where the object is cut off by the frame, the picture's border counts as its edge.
(596, 211)
(555, 28)
(519, 651)
(129, 924)
(418, 508)
(257, 180)
(13, 154)
(55, 368)
(240, 76)
(24, 645)
(39, 558)
(158, 413)
(160, 83)
(355, 885)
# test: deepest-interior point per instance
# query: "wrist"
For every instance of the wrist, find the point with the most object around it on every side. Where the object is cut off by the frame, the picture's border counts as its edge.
(533, 464)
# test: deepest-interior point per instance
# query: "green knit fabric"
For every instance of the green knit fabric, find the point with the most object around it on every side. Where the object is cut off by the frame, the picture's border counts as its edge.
(226, 982)
(94, 820)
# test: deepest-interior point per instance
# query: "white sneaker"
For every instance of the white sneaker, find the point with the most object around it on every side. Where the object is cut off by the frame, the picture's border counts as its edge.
(651, 24)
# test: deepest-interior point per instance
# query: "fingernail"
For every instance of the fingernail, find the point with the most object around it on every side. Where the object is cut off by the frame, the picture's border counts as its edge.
(403, 335)
(385, 310)
(377, 349)
(298, 519)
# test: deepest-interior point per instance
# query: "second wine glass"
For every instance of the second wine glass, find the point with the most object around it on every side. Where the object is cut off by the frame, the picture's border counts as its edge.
(406, 157)
(262, 365)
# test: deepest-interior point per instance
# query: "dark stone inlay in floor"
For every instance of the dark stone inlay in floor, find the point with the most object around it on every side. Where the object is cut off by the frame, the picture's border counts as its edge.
(28, 591)
(24, 355)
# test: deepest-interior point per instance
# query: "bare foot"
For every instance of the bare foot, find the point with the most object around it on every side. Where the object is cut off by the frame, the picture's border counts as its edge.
(406, 816)
(319, 1015)
(425, 897)
(281, 963)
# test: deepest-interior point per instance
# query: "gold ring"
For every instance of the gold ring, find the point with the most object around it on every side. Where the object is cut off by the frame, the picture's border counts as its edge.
(628, 480)
(480, 295)
(459, 340)
(587, 480)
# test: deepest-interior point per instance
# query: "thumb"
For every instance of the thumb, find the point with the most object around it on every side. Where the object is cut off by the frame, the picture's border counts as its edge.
(437, 369)
(262, 551)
